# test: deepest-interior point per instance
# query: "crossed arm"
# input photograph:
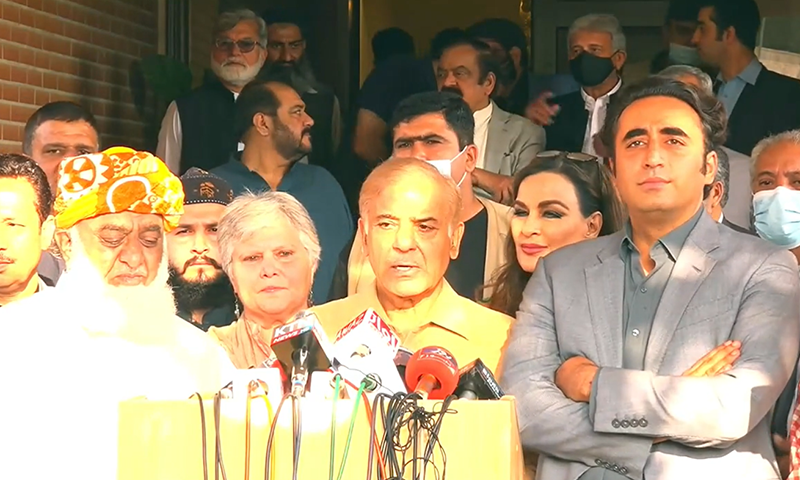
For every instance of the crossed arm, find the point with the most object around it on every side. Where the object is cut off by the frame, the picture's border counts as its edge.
(712, 405)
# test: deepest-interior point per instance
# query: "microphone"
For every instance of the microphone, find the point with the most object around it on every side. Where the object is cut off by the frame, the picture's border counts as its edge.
(476, 382)
(432, 372)
(365, 349)
(401, 360)
(303, 345)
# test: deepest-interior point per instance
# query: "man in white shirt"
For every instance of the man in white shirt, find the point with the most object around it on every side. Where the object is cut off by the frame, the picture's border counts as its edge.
(108, 331)
(205, 115)
(597, 53)
(506, 142)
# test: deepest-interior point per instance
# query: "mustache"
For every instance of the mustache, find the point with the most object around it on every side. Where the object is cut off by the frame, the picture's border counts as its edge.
(201, 259)
(232, 61)
(455, 90)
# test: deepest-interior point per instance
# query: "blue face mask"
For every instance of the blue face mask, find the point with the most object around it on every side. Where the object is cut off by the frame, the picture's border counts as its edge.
(683, 55)
(777, 214)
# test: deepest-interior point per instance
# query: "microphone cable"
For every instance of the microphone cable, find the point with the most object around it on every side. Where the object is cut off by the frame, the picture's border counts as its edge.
(352, 427)
(204, 443)
(253, 387)
(297, 428)
(268, 455)
(219, 466)
(333, 426)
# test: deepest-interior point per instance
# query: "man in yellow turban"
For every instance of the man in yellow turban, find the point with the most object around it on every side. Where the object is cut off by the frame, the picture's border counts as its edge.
(108, 331)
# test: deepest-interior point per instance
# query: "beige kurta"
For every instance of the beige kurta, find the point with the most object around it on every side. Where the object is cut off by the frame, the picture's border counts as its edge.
(242, 345)
(468, 330)
(360, 274)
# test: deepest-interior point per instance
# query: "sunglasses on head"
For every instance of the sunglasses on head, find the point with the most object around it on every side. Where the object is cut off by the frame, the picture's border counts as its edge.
(576, 156)
(244, 46)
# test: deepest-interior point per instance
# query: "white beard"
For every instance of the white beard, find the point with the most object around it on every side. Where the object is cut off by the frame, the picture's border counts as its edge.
(142, 314)
(236, 73)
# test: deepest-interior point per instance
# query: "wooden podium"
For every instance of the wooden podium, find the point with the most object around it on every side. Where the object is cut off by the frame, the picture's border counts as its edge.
(162, 440)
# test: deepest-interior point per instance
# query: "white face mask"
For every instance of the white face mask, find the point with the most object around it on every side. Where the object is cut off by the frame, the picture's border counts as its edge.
(445, 166)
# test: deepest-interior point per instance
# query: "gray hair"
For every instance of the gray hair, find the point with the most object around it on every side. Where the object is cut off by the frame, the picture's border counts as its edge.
(790, 136)
(723, 175)
(677, 72)
(600, 22)
(250, 212)
(227, 20)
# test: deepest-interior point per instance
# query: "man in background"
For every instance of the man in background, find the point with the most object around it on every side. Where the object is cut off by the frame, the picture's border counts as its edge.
(288, 62)
(391, 42)
(205, 116)
(56, 131)
(203, 293)
(26, 226)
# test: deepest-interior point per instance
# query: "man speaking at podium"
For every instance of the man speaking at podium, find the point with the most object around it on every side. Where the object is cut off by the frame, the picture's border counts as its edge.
(108, 332)
(410, 230)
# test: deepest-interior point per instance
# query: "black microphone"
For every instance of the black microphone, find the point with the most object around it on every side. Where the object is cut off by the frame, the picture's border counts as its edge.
(303, 345)
(476, 382)
(401, 360)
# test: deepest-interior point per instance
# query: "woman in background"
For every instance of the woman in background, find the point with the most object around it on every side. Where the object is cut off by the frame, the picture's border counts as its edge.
(270, 250)
(560, 199)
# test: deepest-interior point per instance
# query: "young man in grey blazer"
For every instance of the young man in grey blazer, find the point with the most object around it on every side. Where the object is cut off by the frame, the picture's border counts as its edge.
(609, 358)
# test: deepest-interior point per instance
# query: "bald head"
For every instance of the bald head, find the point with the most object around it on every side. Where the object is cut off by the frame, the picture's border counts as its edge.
(413, 175)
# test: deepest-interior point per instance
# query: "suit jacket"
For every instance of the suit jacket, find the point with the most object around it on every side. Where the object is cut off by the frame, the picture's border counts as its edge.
(723, 286)
(734, 227)
(769, 107)
(512, 142)
(740, 196)
(569, 125)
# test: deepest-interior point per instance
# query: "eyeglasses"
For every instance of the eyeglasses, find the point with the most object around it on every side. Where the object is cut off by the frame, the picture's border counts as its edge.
(244, 46)
(576, 156)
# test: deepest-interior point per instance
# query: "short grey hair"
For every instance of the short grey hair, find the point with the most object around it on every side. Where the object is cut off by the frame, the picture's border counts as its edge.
(677, 72)
(228, 20)
(723, 175)
(790, 136)
(250, 212)
(600, 22)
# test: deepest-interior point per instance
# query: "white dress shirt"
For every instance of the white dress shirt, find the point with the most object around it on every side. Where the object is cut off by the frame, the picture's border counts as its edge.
(170, 138)
(597, 116)
(482, 118)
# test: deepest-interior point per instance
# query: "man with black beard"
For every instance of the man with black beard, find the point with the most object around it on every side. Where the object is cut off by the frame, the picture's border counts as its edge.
(287, 62)
(272, 123)
(203, 293)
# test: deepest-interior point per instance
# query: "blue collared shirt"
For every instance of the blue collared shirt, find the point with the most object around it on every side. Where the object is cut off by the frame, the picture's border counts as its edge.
(729, 92)
(321, 195)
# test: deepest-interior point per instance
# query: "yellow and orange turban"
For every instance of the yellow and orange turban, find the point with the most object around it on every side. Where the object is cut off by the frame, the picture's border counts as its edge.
(118, 179)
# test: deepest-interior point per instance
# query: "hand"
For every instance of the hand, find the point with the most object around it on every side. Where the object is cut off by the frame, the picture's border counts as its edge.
(783, 449)
(540, 111)
(717, 361)
(504, 191)
(574, 378)
(499, 186)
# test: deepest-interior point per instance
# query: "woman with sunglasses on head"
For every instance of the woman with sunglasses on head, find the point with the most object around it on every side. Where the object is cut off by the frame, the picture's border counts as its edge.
(559, 199)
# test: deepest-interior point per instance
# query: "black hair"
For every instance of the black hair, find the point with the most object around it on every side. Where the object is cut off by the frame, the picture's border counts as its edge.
(15, 165)
(487, 62)
(286, 16)
(452, 107)
(682, 11)
(505, 32)
(595, 190)
(711, 112)
(61, 111)
(723, 176)
(255, 97)
(444, 39)
(391, 42)
(741, 15)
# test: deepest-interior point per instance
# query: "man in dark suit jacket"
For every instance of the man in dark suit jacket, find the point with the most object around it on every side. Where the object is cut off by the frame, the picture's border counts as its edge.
(596, 57)
(759, 102)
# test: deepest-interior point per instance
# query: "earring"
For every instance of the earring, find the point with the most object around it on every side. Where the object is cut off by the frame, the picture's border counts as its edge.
(310, 302)
(236, 310)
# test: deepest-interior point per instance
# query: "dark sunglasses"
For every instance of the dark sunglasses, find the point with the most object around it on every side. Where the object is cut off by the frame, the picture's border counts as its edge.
(576, 156)
(245, 46)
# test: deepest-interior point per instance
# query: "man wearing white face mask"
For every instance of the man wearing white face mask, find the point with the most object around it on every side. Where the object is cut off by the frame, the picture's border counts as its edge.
(438, 127)
(776, 208)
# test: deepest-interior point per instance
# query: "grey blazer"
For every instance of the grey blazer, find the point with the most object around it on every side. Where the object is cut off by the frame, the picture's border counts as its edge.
(511, 143)
(725, 285)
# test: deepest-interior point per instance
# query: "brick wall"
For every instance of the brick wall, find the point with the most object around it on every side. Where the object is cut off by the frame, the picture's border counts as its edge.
(79, 50)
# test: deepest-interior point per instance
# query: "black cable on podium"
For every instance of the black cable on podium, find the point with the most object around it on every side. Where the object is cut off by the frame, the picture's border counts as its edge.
(203, 432)
(404, 414)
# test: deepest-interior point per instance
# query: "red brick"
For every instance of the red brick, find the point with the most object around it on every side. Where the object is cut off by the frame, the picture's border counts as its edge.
(11, 53)
(35, 4)
(5, 111)
(11, 12)
(42, 97)
(12, 133)
(35, 78)
(19, 75)
(35, 39)
(42, 60)
(27, 17)
(51, 81)
(5, 71)
(26, 95)
(5, 31)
